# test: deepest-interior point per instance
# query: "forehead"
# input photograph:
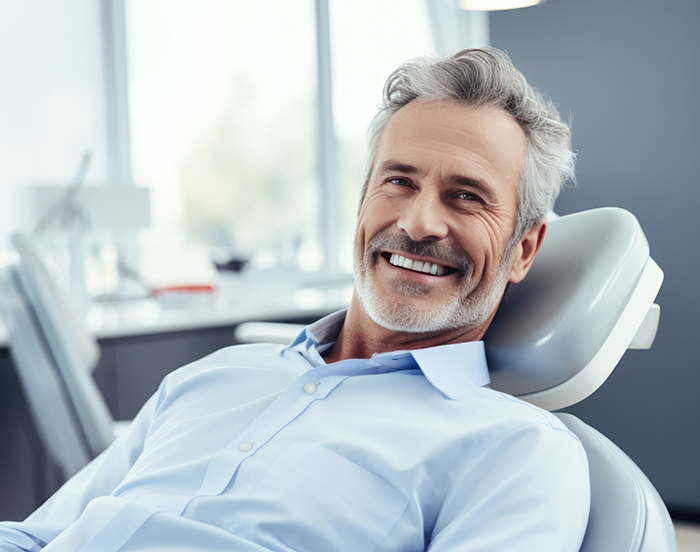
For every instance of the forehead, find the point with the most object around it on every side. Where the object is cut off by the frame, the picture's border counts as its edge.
(484, 143)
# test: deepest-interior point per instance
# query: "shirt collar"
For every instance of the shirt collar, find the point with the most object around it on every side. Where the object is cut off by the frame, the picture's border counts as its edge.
(452, 369)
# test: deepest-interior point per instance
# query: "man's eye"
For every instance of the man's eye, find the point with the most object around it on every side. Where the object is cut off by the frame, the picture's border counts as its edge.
(468, 196)
(399, 181)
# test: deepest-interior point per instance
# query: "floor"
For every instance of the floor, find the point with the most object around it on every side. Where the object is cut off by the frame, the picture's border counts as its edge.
(687, 536)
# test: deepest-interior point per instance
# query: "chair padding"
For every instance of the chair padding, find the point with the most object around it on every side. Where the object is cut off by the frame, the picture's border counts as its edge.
(50, 405)
(574, 315)
(75, 352)
(627, 514)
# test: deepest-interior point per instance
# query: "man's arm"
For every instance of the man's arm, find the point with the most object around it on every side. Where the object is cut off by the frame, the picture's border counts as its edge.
(528, 492)
(99, 478)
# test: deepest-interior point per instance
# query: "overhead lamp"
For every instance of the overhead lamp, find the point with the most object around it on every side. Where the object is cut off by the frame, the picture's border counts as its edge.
(497, 5)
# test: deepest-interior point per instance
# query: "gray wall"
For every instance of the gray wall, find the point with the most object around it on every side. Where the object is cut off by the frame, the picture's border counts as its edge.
(628, 72)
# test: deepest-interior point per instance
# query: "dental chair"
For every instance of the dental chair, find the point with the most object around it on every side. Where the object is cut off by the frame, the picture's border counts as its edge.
(558, 335)
(54, 357)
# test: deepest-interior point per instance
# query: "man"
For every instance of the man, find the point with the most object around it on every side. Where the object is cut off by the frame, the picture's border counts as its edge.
(375, 429)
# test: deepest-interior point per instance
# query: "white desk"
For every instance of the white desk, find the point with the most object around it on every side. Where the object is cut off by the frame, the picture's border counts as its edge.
(253, 296)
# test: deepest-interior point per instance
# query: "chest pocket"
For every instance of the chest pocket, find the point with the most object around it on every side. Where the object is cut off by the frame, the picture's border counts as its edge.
(314, 500)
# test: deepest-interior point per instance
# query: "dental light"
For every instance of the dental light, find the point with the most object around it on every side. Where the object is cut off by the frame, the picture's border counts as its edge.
(497, 5)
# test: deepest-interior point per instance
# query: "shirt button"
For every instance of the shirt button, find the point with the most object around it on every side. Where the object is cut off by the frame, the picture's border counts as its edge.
(310, 388)
(246, 447)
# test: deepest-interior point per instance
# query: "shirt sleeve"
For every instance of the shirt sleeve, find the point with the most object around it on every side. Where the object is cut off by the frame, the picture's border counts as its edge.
(99, 478)
(527, 492)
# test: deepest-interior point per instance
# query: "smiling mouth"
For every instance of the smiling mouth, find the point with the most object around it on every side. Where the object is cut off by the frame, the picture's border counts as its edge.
(418, 266)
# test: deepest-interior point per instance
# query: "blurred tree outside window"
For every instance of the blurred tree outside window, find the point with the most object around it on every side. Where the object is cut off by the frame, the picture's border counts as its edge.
(223, 117)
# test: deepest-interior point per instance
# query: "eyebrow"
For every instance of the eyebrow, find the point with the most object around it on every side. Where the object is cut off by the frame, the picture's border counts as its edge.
(397, 166)
(461, 180)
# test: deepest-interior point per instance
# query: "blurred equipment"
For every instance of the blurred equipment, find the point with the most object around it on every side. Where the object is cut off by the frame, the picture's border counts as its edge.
(68, 217)
(54, 357)
(266, 332)
(66, 206)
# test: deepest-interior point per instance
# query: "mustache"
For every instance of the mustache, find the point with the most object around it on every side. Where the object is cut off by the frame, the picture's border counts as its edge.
(437, 250)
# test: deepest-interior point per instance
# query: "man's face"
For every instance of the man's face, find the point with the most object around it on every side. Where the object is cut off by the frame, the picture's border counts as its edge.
(439, 211)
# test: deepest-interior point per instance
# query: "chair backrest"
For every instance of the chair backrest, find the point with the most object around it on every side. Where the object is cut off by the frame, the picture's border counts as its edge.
(74, 351)
(52, 410)
(627, 513)
(559, 334)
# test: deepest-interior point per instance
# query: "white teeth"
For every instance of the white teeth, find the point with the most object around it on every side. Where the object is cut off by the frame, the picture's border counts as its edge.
(417, 266)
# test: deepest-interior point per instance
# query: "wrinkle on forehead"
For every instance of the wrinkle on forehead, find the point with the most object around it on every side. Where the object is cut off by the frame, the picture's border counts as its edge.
(457, 145)
(492, 138)
(447, 157)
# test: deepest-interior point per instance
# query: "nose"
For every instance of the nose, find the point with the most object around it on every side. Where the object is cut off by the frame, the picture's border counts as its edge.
(424, 217)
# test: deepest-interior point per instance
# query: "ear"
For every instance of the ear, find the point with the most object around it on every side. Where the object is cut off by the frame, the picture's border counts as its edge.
(524, 253)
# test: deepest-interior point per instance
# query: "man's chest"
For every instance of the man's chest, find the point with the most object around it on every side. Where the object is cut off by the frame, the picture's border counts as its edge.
(320, 466)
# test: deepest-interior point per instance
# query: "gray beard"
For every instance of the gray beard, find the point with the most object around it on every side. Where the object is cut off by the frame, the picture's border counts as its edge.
(469, 308)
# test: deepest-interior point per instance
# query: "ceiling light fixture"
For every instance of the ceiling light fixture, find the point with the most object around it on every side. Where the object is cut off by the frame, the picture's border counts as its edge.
(497, 5)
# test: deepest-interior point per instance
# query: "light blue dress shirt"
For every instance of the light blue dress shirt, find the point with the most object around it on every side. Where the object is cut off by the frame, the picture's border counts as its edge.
(261, 448)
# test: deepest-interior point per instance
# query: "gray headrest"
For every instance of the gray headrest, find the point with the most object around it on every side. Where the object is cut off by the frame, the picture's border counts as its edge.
(561, 331)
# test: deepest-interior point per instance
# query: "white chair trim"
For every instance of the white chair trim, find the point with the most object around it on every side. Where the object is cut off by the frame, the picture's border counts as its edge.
(594, 374)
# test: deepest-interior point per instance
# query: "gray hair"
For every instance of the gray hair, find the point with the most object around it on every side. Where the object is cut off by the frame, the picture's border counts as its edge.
(486, 77)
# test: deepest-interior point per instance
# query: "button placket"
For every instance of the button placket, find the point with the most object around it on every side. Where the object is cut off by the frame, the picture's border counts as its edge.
(286, 408)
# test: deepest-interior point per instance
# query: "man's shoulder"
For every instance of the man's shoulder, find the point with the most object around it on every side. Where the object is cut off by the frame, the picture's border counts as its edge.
(508, 416)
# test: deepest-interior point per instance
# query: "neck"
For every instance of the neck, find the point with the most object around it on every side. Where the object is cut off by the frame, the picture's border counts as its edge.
(361, 337)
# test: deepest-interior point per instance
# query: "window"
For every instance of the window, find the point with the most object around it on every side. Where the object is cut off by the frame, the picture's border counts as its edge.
(368, 41)
(223, 116)
(52, 107)
(223, 123)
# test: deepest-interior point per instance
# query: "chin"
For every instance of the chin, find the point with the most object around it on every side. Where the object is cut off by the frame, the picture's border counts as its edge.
(404, 312)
